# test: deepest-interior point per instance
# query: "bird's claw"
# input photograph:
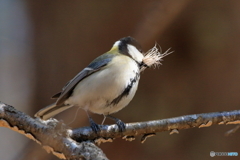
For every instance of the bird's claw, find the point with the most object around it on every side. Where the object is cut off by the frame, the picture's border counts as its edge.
(121, 125)
(95, 127)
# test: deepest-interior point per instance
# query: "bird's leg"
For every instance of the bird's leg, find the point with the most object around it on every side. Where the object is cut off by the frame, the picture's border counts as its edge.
(121, 125)
(104, 119)
(93, 125)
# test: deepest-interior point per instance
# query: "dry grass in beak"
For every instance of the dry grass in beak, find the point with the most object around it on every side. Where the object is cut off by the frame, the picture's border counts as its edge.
(153, 57)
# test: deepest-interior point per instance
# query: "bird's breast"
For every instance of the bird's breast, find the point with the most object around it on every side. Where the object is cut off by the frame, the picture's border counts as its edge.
(110, 89)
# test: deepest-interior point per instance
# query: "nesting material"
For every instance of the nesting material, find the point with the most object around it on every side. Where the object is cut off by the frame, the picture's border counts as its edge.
(153, 57)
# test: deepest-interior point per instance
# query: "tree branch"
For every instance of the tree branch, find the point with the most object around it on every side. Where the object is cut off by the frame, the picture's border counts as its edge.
(52, 135)
(65, 143)
(149, 128)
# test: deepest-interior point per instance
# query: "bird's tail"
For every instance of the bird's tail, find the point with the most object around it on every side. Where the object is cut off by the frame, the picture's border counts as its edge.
(51, 111)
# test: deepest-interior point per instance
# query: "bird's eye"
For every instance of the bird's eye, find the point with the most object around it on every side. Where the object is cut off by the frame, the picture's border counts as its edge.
(140, 51)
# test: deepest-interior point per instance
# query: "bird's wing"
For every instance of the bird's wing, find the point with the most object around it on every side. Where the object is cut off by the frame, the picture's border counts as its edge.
(93, 67)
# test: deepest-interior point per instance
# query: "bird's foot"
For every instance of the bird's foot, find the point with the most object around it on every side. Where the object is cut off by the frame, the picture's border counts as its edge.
(121, 125)
(95, 127)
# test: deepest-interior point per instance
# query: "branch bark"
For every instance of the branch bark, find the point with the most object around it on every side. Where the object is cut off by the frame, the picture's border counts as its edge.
(65, 143)
(52, 135)
(149, 128)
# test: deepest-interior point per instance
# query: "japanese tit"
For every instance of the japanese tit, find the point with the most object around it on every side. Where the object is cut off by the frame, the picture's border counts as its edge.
(105, 86)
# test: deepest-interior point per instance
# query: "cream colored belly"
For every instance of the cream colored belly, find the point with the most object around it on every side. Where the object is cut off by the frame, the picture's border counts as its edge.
(96, 92)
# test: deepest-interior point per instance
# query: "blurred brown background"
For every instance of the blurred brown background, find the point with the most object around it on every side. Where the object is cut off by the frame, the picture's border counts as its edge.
(43, 44)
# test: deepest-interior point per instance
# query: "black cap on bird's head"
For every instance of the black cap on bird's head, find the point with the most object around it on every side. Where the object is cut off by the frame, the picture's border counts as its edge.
(130, 47)
(129, 41)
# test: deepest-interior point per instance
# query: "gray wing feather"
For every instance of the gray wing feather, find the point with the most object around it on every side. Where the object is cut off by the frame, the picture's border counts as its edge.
(93, 67)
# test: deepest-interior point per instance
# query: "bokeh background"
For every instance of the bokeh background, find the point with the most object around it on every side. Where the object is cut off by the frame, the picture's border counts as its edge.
(43, 44)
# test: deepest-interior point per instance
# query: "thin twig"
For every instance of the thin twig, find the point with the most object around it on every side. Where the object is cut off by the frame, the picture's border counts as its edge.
(173, 125)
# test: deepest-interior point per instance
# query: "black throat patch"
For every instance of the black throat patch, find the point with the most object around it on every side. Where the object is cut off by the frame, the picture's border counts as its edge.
(126, 90)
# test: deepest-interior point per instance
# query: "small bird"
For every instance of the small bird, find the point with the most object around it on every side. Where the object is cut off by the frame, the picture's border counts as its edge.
(105, 86)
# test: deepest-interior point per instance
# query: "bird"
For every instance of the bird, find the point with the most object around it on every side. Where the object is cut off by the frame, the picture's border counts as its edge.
(105, 86)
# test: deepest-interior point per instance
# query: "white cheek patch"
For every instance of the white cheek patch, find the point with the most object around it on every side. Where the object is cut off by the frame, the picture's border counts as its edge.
(134, 53)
